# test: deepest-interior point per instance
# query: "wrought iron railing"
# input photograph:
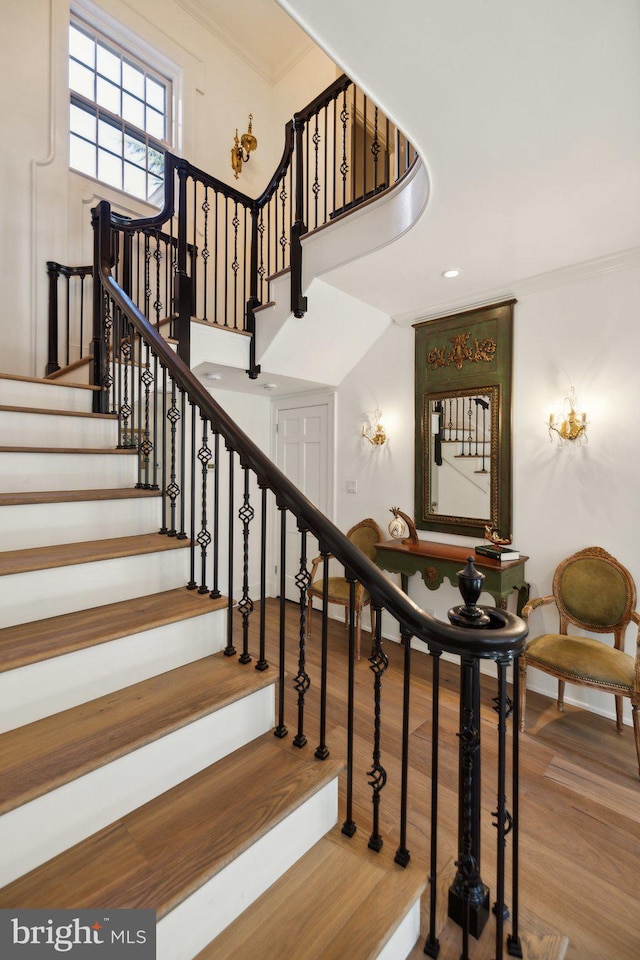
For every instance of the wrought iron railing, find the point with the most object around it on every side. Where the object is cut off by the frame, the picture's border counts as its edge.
(218, 490)
(70, 322)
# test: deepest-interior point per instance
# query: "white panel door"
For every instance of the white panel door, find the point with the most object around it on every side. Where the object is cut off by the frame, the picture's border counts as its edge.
(303, 455)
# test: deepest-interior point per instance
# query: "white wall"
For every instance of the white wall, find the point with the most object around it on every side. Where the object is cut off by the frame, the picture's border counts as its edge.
(46, 208)
(581, 332)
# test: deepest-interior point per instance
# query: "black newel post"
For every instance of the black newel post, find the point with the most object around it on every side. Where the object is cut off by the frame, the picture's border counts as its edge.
(468, 896)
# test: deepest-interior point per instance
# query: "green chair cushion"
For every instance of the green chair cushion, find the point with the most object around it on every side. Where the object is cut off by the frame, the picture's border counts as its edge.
(594, 591)
(582, 658)
(338, 590)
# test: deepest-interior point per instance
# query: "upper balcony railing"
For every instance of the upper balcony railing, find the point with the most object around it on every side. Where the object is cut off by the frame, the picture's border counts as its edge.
(209, 253)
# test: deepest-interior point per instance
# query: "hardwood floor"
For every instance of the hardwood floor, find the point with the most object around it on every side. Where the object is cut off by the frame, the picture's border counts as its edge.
(579, 795)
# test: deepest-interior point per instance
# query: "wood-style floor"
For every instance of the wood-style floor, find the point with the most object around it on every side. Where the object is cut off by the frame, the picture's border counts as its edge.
(579, 796)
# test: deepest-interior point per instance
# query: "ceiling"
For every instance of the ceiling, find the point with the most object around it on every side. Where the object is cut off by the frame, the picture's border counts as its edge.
(526, 117)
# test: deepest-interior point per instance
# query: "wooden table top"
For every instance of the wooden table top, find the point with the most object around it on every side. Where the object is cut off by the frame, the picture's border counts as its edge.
(430, 549)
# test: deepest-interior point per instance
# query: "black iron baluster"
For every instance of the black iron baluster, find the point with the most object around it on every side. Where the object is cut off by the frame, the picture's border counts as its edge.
(139, 428)
(147, 275)
(281, 730)
(245, 604)
(302, 681)
(157, 256)
(81, 316)
(261, 268)
(325, 174)
(344, 166)
(204, 537)
(226, 262)
(262, 663)
(349, 825)
(503, 822)
(126, 430)
(316, 181)
(182, 534)
(432, 944)
(375, 149)
(215, 258)
(514, 946)
(230, 650)
(205, 251)
(215, 591)
(377, 775)
(163, 464)
(108, 351)
(235, 265)
(364, 146)
(470, 429)
(283, 235)
(402, 853)
(173, 490)
(193, 583)
(154, 484)
(322, 751)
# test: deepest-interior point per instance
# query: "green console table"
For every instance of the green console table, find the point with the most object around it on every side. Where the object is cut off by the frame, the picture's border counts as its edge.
(435, 561)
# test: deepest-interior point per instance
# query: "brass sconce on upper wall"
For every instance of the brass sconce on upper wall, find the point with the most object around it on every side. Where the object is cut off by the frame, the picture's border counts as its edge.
(242, 149)
(573, 427)
(374, 431)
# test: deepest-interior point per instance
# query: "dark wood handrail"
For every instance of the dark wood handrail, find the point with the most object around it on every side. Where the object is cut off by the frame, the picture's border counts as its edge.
(506, 634)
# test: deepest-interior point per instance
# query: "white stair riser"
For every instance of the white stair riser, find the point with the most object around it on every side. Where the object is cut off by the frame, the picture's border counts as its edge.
(27, 393)
(47, 524)
(29, 472)
(50, 686)
(43, 828)
(404, 938)
(49, 430)
(184, 932)
(48, 593)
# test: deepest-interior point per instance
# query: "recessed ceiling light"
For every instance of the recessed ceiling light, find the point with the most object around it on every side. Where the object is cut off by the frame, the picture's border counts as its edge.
(213, 376)
(450, 274)
(269, 386)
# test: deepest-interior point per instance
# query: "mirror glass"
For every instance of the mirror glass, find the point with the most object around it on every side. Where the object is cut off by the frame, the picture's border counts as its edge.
(463, 422)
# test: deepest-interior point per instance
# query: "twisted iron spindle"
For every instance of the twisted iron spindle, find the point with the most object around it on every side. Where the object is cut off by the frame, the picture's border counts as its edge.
(229, 650)
(245, 604)
(204, 537)
(377, 775)
(302, 681)
(402, 853)
(322, 751)
(262, 663)
(281, 730)
(349, 825)
(432, 944)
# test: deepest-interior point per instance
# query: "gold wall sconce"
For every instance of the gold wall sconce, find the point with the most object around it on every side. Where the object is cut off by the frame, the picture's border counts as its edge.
(374, 430)
(571, 429)
(242, 149)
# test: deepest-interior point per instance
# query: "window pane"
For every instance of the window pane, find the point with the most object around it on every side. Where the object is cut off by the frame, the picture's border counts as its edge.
(82, 47)
(109, 64)
(110, 169)
(108, 95)
(134, 181)
(110, 137)
(83, 123)
(155, 124)
(81, 80)
(133, 80)
(133, 110)
(155, 94)
(155, 186)
(82, 156)
(135, 151)
(156, 161)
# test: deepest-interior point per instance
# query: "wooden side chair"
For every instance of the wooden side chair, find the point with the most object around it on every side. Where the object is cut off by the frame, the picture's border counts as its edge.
(593, 591)
(364, 535)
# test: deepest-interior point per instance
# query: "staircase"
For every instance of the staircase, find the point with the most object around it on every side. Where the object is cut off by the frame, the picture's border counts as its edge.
(139, 767)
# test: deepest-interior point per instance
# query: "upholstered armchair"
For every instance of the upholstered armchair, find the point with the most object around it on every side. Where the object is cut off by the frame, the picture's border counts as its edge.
(364, 535)
(593, 591)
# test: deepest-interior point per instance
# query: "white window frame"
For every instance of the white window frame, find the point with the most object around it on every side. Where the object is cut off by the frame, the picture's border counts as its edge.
(140, 56)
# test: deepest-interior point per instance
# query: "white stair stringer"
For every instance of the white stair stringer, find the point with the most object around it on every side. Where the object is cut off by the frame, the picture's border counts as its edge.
(192, 924)
(37, 690)
(37, 594)
(36, 831)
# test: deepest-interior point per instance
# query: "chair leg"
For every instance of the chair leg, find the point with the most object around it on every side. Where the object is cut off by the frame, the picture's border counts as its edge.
(635, 709)
(522, 689)
(560, 695)
(619, 722)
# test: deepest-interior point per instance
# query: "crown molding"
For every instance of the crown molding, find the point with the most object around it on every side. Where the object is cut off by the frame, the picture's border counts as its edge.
(587, 269)
(211, 23)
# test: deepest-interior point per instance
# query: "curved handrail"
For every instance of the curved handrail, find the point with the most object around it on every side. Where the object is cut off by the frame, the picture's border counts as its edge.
(506, 633)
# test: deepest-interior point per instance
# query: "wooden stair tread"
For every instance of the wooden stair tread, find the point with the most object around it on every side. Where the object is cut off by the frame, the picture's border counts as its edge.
(74, 365)
(110, 450)
(67, 554)
(38, 640)
(73, 496)
(159, 854)
(51, 383)
(47, 753)
(332, 904)
(58, 413)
